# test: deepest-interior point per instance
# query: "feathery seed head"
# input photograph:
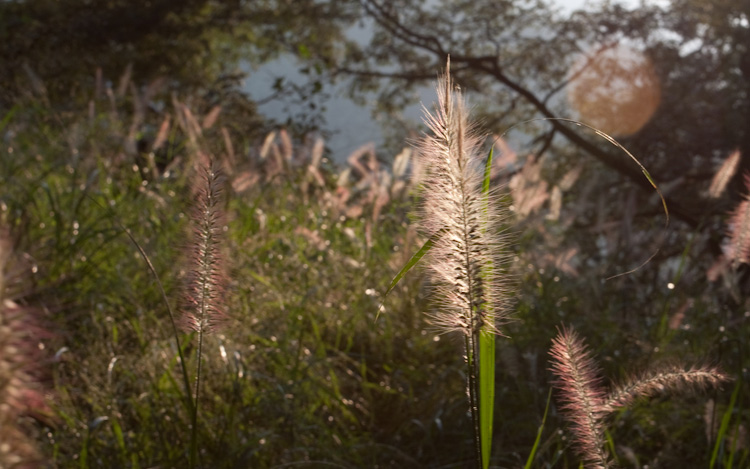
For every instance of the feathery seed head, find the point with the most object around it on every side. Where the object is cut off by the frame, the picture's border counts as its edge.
(666, 378)
(739, 246)
(466, 259)
(204, 295)
(724, 175)
(579, 384)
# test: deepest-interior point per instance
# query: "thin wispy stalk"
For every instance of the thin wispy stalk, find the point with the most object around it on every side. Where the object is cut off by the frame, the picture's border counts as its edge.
(204, 295)
(463, 222)
(579, 385)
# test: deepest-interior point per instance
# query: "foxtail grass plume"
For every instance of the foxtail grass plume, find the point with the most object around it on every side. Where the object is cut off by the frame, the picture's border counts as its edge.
(668, 378)
(725, 173)
(579, 384)
(466, 256)
(739, 241)
(204, 296)
(585, 403)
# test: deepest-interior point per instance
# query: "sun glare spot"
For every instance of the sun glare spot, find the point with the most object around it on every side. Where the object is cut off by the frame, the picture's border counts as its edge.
(614, 89)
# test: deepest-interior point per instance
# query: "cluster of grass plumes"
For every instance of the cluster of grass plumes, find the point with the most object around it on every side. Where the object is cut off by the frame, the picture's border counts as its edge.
(587, 405)
(307, 377)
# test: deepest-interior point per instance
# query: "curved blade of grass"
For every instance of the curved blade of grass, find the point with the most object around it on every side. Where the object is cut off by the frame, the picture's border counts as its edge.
(406, 268)
(725, 419)
(610, 444)
(733, 450)
(534, 448)
(486, 358)
(152, 269)
(620, 147)
(486, 392)
(8, 116)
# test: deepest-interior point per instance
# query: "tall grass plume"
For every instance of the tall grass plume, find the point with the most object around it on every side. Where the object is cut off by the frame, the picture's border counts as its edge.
(739, 233)
(579, 383)
(464, 261)
(465, 257)
(586, 404)
(204, 295)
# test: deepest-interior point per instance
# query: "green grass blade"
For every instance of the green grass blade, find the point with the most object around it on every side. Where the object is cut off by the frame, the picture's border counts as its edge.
(730, 460)
(539, 432)
(183, 366)
(486, 359)
(487, 171)
(8, 116)
(610, 444)
(406, 268)
(486, 392)
(724, 424)
(120, 438)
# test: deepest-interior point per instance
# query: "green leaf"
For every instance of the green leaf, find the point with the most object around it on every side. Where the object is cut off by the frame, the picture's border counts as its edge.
(303, 51)
(117, 429)
(534, 448)
(83, 456)
(486, 356)
(487, 171)
(486, 391)
(610, 443)
(412, 262)
(725, 419)
(8, 116)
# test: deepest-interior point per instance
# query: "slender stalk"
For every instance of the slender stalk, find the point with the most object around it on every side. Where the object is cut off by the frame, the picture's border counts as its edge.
(473, 395)
(203, 310)
(196, 396)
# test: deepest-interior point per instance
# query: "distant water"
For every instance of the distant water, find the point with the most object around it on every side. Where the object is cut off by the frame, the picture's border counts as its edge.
(351, 124)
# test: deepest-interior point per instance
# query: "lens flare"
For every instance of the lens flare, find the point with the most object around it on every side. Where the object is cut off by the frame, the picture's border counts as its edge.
(614, 89)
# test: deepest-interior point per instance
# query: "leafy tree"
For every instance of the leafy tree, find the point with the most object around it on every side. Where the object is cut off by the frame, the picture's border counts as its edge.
(194, 47)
